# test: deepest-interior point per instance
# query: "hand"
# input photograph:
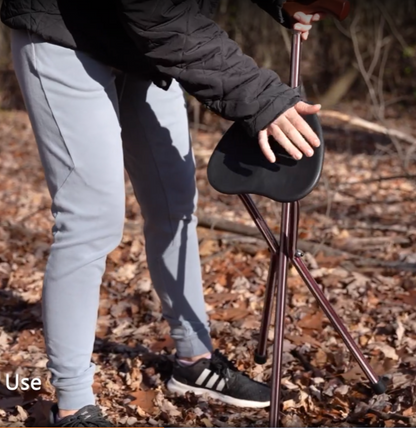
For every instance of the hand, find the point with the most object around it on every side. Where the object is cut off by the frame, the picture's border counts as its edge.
(292, 132)
(304, 24)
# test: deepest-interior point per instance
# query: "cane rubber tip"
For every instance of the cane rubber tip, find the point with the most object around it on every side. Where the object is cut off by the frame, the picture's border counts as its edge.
(379, 387)
(260, 359)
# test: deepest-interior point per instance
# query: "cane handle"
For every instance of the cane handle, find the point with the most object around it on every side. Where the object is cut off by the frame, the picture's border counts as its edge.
(339, 9)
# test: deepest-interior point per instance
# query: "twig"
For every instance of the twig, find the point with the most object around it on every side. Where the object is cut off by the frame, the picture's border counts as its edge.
(306, 364)
(392, 25)
(377, 97)
(32, 214)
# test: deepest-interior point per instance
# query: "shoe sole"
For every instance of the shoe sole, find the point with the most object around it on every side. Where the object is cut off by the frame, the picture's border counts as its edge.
(174, 386)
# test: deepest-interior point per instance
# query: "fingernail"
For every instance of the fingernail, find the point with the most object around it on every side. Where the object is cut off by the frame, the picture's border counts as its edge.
(296, 15)
(298, 157)
(317, 143)
(309, 153)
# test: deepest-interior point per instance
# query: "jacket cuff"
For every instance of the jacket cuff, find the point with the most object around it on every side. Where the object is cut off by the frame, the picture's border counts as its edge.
(277, 106)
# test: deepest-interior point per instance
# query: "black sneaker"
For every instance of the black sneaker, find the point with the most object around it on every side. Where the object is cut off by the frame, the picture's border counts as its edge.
(219, 378)
(88, 416)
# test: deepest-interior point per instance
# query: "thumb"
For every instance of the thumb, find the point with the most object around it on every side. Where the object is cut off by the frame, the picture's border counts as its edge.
(304, 108)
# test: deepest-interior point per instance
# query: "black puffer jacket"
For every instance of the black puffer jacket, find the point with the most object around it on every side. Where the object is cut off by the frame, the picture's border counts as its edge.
(161, 40)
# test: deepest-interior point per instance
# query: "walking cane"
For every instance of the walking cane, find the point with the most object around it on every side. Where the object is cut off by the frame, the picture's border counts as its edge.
(238, 167)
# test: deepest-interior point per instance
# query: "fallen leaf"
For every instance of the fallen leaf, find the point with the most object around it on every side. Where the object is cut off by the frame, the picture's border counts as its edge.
(388, 351)
(354, 374)
(301, 340)
(22, 413)
(166, 406)
(215, 298)
(208, 247)
(207, 422)
(144, 400)
(229, 314)
(312, 321)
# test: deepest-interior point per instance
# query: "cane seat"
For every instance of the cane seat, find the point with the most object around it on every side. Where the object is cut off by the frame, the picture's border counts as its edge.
(238, 166)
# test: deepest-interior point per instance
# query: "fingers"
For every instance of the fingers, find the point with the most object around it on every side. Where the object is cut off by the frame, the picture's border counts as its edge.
(302, 27)
(282, 137)
(303, 18)
(294, 132)
(304, 24)
(303, 128)
(305, 21)
(265, 146)
(305, 108)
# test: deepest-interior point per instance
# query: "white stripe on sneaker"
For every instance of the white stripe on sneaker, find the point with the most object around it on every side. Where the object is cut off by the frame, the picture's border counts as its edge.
(203, 376)
(212, 381)
(220, 385)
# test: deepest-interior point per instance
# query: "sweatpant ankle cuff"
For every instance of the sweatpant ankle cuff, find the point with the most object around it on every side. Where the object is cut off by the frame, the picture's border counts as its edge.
(75, 400)
(193, 346)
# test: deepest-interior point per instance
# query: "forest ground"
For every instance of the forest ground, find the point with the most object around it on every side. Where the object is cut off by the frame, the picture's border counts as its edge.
(359, 229)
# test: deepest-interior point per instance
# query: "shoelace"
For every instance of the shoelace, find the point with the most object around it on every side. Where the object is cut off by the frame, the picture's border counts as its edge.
(94, 418)
(223, 366)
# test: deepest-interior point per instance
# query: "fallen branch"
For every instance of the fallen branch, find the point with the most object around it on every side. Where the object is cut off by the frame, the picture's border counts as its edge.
(353, 244)
(370, 126)
(306, 246)
(374, 227)
(243, 229)
(379, 179)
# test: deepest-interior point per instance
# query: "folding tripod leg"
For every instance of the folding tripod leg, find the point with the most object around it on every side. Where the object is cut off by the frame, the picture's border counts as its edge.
(260, 223)
(283, 260)
(376, 383)
(261, 355)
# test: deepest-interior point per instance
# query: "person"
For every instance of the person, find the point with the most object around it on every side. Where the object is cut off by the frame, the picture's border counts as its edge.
(102, 83)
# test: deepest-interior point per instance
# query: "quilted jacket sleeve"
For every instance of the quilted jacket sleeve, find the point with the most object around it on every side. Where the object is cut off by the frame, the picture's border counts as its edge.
(187, 46)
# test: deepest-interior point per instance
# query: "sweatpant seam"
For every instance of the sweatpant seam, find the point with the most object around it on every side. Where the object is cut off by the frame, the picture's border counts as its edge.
(72, 168)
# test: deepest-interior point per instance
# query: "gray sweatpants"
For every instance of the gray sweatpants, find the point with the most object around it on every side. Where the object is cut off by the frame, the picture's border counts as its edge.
(88, 127)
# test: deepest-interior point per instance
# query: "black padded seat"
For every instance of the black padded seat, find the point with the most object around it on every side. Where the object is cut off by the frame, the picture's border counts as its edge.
(237, 166)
